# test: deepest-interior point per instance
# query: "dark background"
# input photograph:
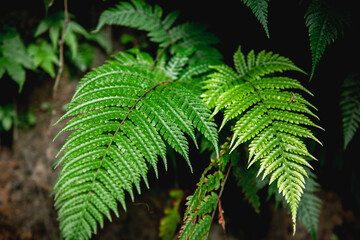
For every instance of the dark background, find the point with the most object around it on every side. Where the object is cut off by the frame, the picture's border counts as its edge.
(234, 24)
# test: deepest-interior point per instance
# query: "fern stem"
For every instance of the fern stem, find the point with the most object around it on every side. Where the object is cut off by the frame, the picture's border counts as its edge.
(218, 199)
(124, 119)
(159, 55)
(117, 130)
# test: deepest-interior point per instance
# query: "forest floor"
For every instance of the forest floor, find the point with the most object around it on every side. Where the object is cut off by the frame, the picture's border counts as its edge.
(26, 177)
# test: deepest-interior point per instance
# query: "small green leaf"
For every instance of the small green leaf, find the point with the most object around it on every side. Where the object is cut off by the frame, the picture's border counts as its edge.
(14, 49)
(7, 122)
(44, 56)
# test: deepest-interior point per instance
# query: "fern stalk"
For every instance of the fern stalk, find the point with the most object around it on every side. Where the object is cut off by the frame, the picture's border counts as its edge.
(202, 205)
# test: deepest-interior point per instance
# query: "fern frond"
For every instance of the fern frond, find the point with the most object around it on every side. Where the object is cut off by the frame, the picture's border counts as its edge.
(267, 114)
(260, 10)
(249, 183)
(350, 107)
(141, 16)
(122, 116)
(310, 205)
(203, 203)
(324, 25)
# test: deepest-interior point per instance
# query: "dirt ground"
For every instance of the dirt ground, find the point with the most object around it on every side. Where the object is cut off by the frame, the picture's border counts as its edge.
(26, 177)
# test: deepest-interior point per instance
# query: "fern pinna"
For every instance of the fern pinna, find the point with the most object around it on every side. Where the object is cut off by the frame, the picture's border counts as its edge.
(201, 206)
(350, 107)
(267, 114)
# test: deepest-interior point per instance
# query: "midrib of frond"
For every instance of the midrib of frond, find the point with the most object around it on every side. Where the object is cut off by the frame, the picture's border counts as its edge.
(284, 165)
(93, 181)
(199, 117)
(158, 21)
(274, 129)
(318, 49)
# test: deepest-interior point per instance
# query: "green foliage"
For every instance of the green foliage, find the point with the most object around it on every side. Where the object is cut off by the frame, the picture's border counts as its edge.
(203, 203)
(260, 10)
(55, 25)
(7, 115)
(142, 16)
(123, 114)
(80, 52)
(44, 56)
(324, 24)
(14, 59)
(248, 181)
(9, 118)
(172, 218)
(310, 205)
(268, 115)
(350, 107)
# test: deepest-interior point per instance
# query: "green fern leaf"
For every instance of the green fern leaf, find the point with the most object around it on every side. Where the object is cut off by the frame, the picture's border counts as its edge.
(268, 115)
(141, 16)
(260, 10)
(350, 107)
(249, 183)
(324, 25)
(122, 114)
(310, 205)
(202, 204)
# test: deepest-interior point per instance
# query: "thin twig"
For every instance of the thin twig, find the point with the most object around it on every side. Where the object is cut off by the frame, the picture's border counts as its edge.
(218, 199)
(158, 56)
(61, 48)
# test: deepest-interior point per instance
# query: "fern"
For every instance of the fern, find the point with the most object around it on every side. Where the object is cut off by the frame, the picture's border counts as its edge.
(123, 115)
(202, 204)
(324, 25)
(260, 10)
(141, 16)
(268, 115)
(310, 205)
(248, 182)
(350, 107)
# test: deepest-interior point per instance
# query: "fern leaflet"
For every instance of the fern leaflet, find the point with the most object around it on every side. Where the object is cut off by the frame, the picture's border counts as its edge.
(268, 115)
(202, 204)
(324, 25)
(260, 10)
(350, 107)
(123, 115)
(142, 16)
(310, 205)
